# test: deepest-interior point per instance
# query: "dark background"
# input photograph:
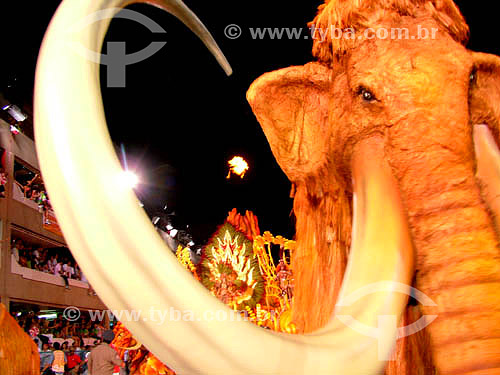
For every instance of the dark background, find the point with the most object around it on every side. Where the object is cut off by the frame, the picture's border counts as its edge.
(180, 118)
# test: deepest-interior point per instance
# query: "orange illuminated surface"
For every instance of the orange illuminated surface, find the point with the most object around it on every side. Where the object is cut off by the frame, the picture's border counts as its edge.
(238, 166)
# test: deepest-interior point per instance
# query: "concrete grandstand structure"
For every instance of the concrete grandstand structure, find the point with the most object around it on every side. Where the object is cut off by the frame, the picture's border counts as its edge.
(22, 218)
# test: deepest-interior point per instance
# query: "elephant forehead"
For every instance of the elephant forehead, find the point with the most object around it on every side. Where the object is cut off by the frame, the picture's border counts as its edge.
(418, 69)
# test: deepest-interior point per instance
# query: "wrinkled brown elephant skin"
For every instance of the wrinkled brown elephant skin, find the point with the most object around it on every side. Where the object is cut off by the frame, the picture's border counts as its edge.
(18, 352)
(423, 96)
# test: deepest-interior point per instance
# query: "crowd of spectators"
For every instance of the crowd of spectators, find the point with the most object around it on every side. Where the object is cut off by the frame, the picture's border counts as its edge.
(75, 359)
(60, 328)
(29, 182)
(34, 190)
(60, 334)
(48, 260)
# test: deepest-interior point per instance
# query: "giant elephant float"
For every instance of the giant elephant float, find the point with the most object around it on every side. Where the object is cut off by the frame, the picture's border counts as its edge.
(392, 146)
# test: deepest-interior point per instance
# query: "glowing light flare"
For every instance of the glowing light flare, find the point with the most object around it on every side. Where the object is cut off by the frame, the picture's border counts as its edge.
(129, 179)
(237, 165)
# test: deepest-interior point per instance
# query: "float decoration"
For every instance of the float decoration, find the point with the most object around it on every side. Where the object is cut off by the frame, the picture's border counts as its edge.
(278, 280)
(230, 270)
(248, 224)
(262, 249)
(142, 361)
(238, 268)
(184, 257)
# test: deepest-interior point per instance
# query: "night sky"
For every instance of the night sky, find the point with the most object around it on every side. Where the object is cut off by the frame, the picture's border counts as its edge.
(180, 118)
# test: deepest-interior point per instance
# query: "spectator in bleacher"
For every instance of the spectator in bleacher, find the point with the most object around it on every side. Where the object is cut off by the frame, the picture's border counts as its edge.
(93, 330)
(34, 329)
(44, 327)
(18, 245)
(77, 340)
(84, 330)
(73, 362)
(71, 330)
(44, 198)
(28, 191)
(22, 260)
(29, 256)
(36, 256)
(46, 358)
(38, 344)
(45, 267)
(57, 326)
(65, 330)
(44, 257)
(52, 262)
(64, 346)
(25, 322)
(68, 269)
(99, 329)
(59, 360)
(103, 358)
(85, 358)
(58, 271)
(3, 181)
(35, 195)
(78, 272)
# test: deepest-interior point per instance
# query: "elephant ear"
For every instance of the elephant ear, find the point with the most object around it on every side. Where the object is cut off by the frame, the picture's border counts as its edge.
(291, 105)
(484, 99)
(484, 106)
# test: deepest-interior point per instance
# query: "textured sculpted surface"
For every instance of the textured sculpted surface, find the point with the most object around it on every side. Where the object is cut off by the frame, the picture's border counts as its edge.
(18, 352)
(423, 96)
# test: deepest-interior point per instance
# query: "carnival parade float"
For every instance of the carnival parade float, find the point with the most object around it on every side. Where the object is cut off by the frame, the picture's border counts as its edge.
(237, 267)
(391, 146)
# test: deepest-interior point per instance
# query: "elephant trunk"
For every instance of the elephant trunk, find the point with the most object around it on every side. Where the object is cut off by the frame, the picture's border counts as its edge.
(323, 234)
(457, 256)
(459, 271)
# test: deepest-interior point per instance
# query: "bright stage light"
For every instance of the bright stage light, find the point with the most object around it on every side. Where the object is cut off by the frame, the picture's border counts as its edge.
(129, 179)
(16, 112)
(47, 316)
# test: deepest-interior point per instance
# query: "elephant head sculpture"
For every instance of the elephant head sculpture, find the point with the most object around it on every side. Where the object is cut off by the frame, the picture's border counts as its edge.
(423, 101)
(392, 148)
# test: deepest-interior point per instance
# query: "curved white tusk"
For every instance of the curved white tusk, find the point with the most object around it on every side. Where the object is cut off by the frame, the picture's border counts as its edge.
(133, 271)
(488, 168)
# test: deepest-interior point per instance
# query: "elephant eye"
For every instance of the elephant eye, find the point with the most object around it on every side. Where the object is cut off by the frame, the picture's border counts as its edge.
(473, 76)
(366, 94)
